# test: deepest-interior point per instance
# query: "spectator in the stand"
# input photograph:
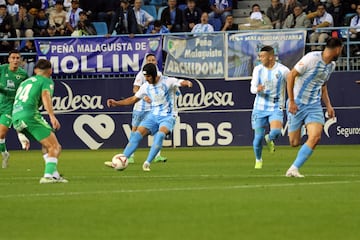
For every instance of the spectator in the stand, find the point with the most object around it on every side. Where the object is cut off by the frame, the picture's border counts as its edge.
(220, 9)
(204, 5)
(124, 20)
(84, 26)
(322, 19)
(289, 6)
(72, 17)
(172, 17)
(47, 5)
(157, 28)
(336, 10)
(23, 23)
(297, 19)
(350, 6)
(204, 26)
(304, 4)
(257, 20)
(355, 31)
(51, 32)
(12, 7)
(6, 31)
(91, 8)
(143, 18)
(107, 11)
(41, 23)
(229, 24)
(276, 13)
(192, 15)
(67, 5)
(57, 18)
(29, 60)
(312, 6)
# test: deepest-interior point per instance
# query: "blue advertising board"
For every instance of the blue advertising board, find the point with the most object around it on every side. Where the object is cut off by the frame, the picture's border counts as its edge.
(212, 113)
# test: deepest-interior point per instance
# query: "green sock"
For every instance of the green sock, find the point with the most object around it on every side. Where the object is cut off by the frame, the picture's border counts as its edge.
(2, 145)
(50, 168)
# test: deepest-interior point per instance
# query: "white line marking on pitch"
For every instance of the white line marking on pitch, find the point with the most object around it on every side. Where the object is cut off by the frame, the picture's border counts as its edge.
(175, 189)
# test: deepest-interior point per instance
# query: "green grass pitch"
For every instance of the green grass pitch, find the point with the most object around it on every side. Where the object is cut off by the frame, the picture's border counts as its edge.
(200, 193)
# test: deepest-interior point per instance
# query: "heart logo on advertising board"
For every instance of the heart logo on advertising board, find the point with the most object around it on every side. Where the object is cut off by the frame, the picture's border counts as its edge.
(102, 125)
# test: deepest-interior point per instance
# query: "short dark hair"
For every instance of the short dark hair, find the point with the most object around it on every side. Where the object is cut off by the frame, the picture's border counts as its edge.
(333, 43)
(255, 5)
(268, 49)
(150, 55)
(150, 69)
(43, 64)
(14, 51)
(157, 23)
(3, 6)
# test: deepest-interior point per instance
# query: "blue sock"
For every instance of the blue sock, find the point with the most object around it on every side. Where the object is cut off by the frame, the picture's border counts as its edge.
(133, 143)
(274, 133)
(257, 142)
(303, 154)
(156, 146)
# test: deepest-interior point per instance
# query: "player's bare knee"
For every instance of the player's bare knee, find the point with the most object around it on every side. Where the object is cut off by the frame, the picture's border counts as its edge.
(294, 143)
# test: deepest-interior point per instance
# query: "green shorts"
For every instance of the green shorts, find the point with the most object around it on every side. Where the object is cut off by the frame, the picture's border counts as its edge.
(36, 127)
(5, 119)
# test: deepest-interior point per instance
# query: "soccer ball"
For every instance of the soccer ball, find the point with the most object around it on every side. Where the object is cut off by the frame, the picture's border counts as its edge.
(120, 162)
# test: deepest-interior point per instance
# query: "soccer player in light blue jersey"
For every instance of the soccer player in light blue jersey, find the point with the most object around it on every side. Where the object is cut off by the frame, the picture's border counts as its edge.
(142, 108)
(161, 120)
(268, 83)
(306, 87)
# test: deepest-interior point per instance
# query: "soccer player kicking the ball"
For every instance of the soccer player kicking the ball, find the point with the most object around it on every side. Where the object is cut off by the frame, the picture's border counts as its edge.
(306, 87)
(161, 119)
(142, 108)
(268, 83)
(27, 119)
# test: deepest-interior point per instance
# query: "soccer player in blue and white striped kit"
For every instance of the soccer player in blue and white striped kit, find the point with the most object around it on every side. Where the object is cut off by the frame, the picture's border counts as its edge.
(161, 120)
(306, 87)
(142, 108)
(268, 83)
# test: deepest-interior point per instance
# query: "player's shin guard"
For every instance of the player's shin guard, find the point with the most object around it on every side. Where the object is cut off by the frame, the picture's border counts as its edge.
(156, 146)
(257, 142)
(134, 140)
(274, 133)
(303, 155)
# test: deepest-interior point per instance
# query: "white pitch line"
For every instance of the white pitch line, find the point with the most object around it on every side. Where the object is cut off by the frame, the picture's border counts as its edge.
(120, 175)
(6, 196)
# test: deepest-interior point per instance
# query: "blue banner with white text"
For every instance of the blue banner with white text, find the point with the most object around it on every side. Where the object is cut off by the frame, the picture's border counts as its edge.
(99, 55)
(243, 50)
(200, 56)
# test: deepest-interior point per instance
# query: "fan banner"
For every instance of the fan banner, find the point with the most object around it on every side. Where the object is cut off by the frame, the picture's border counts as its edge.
(243, 50)
(200, 56)
(98, 55)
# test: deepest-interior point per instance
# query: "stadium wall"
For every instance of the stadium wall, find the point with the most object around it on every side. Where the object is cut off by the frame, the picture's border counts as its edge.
(212, 113)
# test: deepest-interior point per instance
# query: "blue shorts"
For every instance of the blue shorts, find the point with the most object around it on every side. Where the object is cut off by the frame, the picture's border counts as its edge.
(260, 119)
(154, 122)
(309, 113)
(137, 117)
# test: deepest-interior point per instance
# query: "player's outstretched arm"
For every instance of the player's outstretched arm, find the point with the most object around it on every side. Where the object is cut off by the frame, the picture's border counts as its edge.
(124, 102)
(186, 83)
